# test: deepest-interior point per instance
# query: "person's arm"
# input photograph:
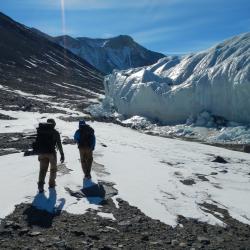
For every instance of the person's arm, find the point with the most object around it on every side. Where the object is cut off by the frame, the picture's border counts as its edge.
(59, 142)
(77, 136)
(93, 142)
(59, 146)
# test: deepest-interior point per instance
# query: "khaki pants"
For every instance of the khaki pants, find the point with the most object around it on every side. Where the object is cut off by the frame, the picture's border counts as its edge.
(45, 160)
(86, 156)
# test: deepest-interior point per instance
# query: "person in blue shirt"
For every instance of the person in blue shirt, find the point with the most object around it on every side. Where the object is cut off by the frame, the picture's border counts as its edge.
(85, 139)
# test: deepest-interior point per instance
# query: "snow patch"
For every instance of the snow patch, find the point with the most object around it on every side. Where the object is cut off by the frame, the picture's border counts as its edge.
(108, 216)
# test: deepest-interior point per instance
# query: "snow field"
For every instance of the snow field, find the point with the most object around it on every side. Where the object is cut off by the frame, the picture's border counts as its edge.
(149, 172)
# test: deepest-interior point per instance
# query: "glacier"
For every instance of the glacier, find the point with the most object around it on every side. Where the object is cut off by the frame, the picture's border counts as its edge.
(176, 88)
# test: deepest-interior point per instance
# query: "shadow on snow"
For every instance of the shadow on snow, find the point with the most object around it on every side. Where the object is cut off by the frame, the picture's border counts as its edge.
(44, 209)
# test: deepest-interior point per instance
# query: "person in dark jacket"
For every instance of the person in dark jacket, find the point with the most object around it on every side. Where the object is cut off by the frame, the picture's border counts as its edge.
(85, 139)
(47, 155)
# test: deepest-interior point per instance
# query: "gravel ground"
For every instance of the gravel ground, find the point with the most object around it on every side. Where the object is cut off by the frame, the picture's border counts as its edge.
(29, 228)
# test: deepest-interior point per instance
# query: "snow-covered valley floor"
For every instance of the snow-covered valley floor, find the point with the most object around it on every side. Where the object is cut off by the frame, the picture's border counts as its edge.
(162, 177)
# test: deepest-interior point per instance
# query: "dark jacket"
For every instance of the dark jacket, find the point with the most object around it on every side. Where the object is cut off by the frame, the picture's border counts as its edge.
(41, 145)
(58, 141)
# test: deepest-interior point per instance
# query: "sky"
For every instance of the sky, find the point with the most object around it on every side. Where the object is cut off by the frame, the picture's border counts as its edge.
(166, 26)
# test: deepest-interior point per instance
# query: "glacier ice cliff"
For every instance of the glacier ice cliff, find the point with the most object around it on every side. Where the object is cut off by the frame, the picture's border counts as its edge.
(175, 88)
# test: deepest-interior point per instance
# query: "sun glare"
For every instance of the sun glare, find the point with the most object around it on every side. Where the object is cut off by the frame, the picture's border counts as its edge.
(63, 17)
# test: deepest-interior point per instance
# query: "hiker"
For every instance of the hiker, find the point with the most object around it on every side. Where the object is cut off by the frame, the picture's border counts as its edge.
(85, 138)
(47, 140)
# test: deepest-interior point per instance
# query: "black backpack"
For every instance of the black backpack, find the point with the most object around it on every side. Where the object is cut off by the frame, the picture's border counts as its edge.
(45, 140)
(86, 136)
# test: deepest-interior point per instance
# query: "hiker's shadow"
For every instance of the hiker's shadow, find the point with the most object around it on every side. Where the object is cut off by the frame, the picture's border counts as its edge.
(44, 209)
(95, 193)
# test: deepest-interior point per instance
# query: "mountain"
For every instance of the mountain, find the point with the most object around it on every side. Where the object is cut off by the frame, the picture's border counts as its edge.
(31, 65)
(120, 52)
(40, 33)
(176, 89)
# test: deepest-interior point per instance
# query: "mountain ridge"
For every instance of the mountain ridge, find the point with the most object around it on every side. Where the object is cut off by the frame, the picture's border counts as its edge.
(106, 54)
(30, 64)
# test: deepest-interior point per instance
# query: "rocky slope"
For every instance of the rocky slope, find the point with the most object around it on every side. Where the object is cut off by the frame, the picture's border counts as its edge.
(120, 52)
(35, 72)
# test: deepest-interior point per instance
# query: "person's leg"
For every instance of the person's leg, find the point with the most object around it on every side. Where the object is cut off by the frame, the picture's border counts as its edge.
(89, 161)
(44, 164)
(83, 158)
(53, 170)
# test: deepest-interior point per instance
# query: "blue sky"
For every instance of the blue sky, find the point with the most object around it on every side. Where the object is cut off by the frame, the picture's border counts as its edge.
(167, 26)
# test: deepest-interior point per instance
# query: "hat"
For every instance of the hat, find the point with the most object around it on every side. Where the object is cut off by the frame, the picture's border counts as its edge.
(81, 123)
(52, 121)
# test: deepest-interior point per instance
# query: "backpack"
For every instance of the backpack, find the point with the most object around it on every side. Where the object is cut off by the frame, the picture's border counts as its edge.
(86, 136)
(45, 140)
(246, 148)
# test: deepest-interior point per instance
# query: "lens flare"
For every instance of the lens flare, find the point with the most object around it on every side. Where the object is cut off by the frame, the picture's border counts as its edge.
(63, 17)
(63, 28)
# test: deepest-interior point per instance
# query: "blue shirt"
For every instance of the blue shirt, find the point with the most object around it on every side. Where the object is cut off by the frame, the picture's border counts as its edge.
(77, 139)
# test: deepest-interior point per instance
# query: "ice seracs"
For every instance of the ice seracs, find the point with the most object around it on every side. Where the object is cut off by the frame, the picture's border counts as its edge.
(173, 89)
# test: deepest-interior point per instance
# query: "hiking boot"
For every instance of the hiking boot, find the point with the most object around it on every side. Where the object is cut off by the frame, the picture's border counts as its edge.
(40, 187)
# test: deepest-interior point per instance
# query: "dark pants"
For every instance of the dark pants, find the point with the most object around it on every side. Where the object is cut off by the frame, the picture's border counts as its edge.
(86, 155)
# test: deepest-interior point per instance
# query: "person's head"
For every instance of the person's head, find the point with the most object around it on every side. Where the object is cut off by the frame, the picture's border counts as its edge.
(81, 123)
(51, 121)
